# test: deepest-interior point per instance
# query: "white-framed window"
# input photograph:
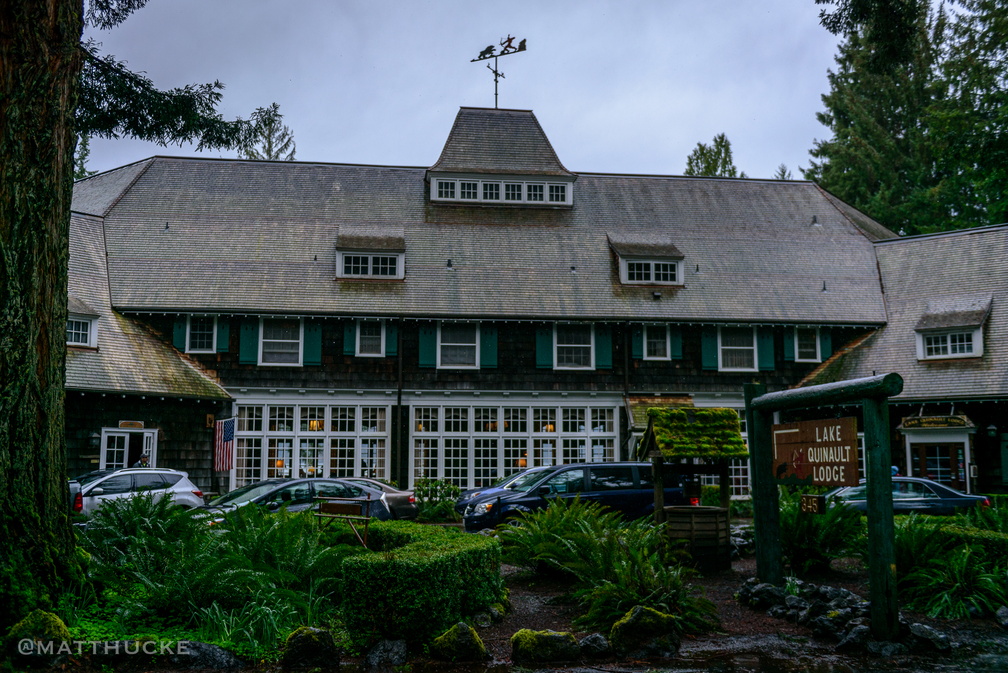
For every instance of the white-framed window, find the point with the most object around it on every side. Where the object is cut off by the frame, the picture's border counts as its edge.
(280, 342)
(806, 344)
(201, 334)
(737, 349)
(650, 271)
(458, 345)
(82, 330)
(510, 191)
(951, 344)
(574, 346)
(370, 339)
(379, 265)
(656, 342)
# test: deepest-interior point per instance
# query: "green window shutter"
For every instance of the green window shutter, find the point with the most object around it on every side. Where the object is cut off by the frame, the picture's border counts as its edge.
(637, 342)
(708, 348)
(223, 334)
(248, 344)
(312, 343)
(544, 347)
(765, 349)
(488, 346)
(675, 342)
(349, 337)
(789, 352)
(428, 346)
(179, 333)
(825, 343)
(603, 347)
(391, 339)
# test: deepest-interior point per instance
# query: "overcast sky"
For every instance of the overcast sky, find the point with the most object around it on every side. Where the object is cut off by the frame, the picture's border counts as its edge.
(627, 86)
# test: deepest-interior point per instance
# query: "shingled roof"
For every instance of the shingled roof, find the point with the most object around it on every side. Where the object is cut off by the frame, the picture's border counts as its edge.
(130, 359)
(955, 279)
(244, 237)
(488, 140)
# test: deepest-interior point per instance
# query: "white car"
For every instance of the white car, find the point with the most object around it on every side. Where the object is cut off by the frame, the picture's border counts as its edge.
(102, 486)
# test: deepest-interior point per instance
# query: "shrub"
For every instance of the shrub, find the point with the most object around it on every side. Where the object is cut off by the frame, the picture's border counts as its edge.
(418, 590)
(436, 500)
(738, 508)
(958, 584)
(810, 541)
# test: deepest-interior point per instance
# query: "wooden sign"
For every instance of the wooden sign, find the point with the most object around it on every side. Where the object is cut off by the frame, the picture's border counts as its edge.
(816, 453)
(131, 425)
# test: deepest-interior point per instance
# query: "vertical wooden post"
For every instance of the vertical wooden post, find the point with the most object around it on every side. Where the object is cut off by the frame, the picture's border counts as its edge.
(657, 470)
(766, 505)
(882, 559)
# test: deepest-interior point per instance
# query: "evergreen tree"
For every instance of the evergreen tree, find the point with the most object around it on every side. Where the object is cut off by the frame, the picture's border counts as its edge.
(714, 160)
(81, 158)
(882, 156)
(782, 173)
(890, 25)
(51, 88)
(270, 139)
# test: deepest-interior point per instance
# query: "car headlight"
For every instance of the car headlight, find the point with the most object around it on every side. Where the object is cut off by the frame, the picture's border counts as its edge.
(482, 508)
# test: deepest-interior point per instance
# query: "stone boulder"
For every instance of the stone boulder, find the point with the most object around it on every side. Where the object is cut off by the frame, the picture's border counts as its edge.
(37, 639)
(307, 647)
(645, 633)
(459, 643)
(386, 654)
(530, 647)
(595, 646)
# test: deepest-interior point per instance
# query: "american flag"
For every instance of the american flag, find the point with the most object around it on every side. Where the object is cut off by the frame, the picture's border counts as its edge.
(224, 445)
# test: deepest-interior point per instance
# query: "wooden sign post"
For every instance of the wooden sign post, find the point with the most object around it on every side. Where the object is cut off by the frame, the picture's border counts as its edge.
(873, 394)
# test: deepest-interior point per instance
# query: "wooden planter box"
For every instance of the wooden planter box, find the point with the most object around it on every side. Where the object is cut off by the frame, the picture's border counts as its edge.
(703, 532)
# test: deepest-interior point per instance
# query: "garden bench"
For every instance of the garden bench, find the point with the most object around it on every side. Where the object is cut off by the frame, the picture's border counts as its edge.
(351, 510)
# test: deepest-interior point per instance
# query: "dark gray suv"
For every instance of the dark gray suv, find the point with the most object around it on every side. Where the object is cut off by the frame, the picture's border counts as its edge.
(627, 488)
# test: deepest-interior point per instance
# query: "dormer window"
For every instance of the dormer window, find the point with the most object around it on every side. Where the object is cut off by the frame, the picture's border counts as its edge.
(650, 271)
(370, 251)
(646, 260)
(81, 331)
(501, 191)
(952, 327)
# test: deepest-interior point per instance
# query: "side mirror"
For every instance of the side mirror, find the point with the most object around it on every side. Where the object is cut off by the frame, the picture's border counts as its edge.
(97, 490)
(544, 491)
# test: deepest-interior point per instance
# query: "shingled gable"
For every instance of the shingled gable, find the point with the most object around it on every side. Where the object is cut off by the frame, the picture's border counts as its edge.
(501, 142)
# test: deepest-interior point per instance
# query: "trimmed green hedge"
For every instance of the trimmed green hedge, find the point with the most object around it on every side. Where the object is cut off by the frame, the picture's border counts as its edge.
(996, 544)
(420, 583)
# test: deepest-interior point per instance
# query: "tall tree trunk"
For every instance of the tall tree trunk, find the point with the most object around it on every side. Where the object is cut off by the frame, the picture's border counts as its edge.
(40, 65)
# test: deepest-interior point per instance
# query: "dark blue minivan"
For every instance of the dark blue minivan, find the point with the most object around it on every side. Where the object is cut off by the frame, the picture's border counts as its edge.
(625, 487)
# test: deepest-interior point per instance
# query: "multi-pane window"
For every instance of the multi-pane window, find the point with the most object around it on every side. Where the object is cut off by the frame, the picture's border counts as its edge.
(485, 419)
(456, 419)
(373, 419)
(513, 192)
(737, 349)
(948, 345)
(574, 346)
(201, 334)
(343, 419)
(280, 343)
(446, 189)
(458, 345)
(656, 343)
(650, 272)
(807, 344)
(544, 420)
(250, 419)
(370, 338)
(515, 420)
(312, 419)
(79, 332)
(363, 265)
(425, 419)
(573, 420)
(281, 419)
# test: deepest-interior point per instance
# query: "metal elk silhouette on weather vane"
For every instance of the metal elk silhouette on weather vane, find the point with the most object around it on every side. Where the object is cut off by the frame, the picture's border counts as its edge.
(507, 47)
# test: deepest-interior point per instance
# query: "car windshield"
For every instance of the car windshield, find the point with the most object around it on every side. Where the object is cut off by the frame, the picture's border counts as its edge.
(526, 481)
(86, 479)
(240, 496)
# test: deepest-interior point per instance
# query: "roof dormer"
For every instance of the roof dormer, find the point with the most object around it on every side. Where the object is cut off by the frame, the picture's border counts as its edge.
(499, 158)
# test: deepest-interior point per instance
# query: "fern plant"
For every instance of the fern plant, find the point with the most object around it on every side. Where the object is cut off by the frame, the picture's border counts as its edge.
(810, 541)
(959, 584)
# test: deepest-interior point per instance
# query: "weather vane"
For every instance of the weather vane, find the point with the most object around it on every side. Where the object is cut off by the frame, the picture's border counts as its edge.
(507, 47)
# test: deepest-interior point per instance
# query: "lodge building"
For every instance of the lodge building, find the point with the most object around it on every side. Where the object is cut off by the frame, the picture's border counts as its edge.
(460, 321)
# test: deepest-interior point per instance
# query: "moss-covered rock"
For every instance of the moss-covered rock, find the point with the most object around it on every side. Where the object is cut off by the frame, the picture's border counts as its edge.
(645, 633)
(307, 647)
(38, 637)
(459, 643)
(541, 647)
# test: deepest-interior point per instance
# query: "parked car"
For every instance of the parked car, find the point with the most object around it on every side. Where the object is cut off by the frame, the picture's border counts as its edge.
(469, 495)
(297, 495)
(91, 490)
(401, 503)
(627, 488)
(912, 494)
